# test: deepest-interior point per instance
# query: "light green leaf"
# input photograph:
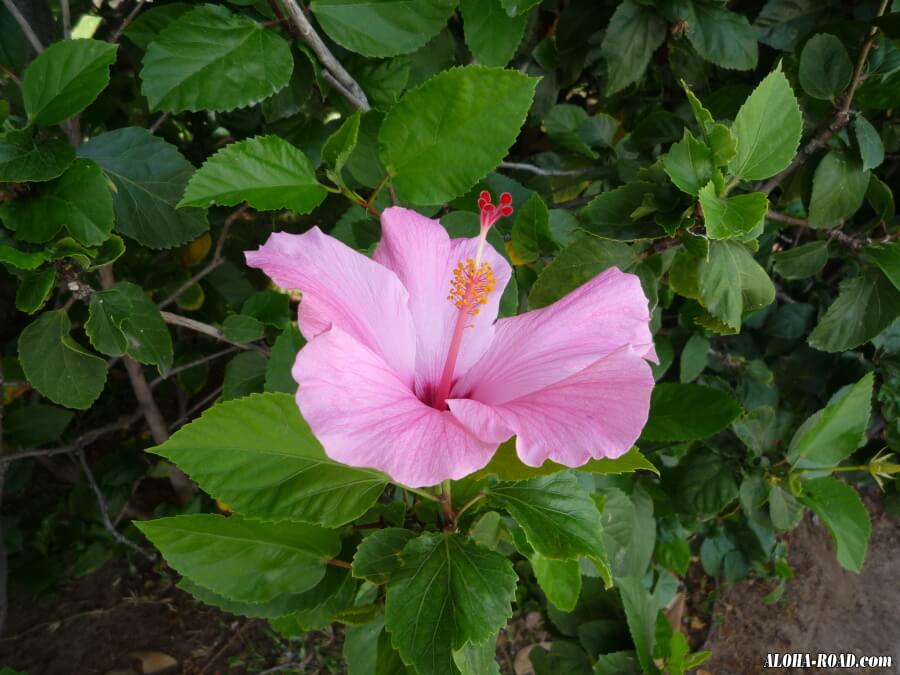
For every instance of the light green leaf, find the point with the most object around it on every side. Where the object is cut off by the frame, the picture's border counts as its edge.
(803, 261)
(559, 579)
(444, 136)
(721, 36)
(242, 328)
(450, 593)
(845, 516)
(689, 164)
(687, 412)
(478, 659)
(531, 233)
(382, 28)
(732, 283)
(341, 143)
(871, 147)
(784, 509)
(728, 217)
(491, 34)
(825, 67)
(887, 258)
(211, 59)
(259, 456)
(767, 128)
(723, 144)
(559, 518)
(694, 358)
(149, 176)
(267, 172)
(34, 289)
(241, 559)
(57, 366)
(634, 33)
(865, 306)
(79, 200)
(25, 158)
(839, 187)
(629, 531)
(377, 558)
(640, 612)
(65, 78)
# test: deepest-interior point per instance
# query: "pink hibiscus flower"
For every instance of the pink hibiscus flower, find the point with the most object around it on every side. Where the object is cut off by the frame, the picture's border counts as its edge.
(408, 371)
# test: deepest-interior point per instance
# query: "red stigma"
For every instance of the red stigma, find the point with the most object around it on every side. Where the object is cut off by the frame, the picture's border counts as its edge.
(490, 213)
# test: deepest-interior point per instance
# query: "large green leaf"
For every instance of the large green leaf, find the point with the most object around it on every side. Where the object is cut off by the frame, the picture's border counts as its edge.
(267, 172)
(727, 217)
(640, 612)
(560, 519)
(79, 200)
(34, 289)
(478, 659)
(492, 35)
(445, 135)
(732, 283)
(242, 559)
(865, 306)
(382, 28)
(687, 412)
(211, 59)
(839, 188)
(704, 483)
(767, 129)
(57, 366)
(259, 455)
(377, 558)
(825, 67)
(23, 157)
(719, 35)
(559, 579)
(65, 78)
(451, 592)
(845, 516)
(123, 320)
(150, 176)
(634, 33)
(833, 433)
(689, 164)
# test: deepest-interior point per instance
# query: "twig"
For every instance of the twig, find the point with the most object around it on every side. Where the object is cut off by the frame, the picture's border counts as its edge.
(350, 89)
(540, 171)
(15, 78)
(24, 25)
(128, 19)
(841, 117)
(206, 329)
(192, 364)
(837, 235)
(104, 512)
(202, 403)
(215, 657)
(159, 122)
(784, 218)
(66, 19)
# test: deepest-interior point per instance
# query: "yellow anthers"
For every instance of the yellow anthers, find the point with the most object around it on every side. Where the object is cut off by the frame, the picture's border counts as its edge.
(471, 285)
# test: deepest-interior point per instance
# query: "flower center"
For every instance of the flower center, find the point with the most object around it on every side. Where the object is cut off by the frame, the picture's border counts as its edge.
(473, 281)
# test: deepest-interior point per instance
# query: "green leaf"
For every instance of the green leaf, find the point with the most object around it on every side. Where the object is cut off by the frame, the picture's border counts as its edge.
(450, 592)
(720, 36)
(506, 465)
(149, 176)
(728, 217)
(688, 412)
(767, 128)
(514, 7)
(35, 425)
(784, 509)
(689, 164)
(865, 306)
(839, 187)
(576, 264)
(629, 531)
(280, 363)
(378, 557)
(259, 456)
(723, 144)
(694, 357)
(57, 366)
(782, 22)
(881, 199)
(610, 214)
(341, 143)
(634, 33)
(267, 172)
(242, 328)
(79, 200)
(531, 233)
(871, 147)
(211, 59)
(833, 433)
(640, 612)
(887, 258)
(65, 78)
(150, 22)
(23, 260)
(559, 579)
(491, 34)
(825, 68)
(704, 484)
(242, 559)
(24, 158)
(478, 659)
(802, 262)
(732, 282)
(245, 374)
(382, 28)
(573, 129)
(845, 516)
(445, 135)
(560, 519)
(123, 320)
(34, 289)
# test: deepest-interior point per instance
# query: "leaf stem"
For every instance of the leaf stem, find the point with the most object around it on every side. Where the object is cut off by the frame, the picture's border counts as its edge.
(469, 504)
(447, 505)
(422, 493)
(340, 563)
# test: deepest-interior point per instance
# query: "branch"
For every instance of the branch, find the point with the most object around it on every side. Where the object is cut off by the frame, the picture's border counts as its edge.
(128, 19)
(192, 364)
(66, 19)
(206, 329)
(841, 116)
(24, 25)
(540, 171)
(349, 88)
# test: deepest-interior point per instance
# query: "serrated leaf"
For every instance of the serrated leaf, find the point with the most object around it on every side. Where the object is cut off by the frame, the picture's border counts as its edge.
(23, 260)
(150, 22)
(845, 516)
(492, 35)
(825, 68)
(689, 164)
(887, 258)
(382, 28)
(211, 59)
(704, 482)
(865, 306)
(634, 33)
(732, 283)
(242, 328)
(267, 172)
(259, 456)
(629, 531)
(65, 78)
(531, 233)
(341, 143)
(687, 412)
(767, 128)
(839, 187)
(559, 579)
(25, 158)
(452, 592)
(57, 366)
(445, 135)
(728, 217)
(803, 261)
(34, 289)
(784, 509)
(242, 559)
(150, 176)
(721, 36)
(782, 22)
(377, 558)
(640, 612)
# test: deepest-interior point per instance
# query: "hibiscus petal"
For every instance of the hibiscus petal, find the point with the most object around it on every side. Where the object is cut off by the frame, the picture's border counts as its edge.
(344, 288)
(420, 252)
(365, 416)
(597, 412)
(538, 348)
